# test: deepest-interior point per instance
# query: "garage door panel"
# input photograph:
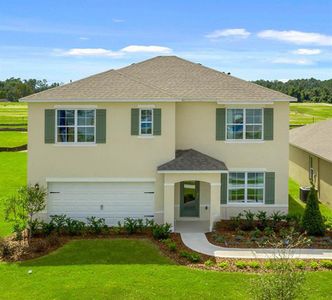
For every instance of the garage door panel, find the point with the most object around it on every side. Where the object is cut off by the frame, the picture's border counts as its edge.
(112, 201)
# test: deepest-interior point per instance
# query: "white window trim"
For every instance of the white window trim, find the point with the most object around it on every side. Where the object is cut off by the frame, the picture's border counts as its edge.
(245, 189)
(244, 124)
(140, 123)
(75, 126)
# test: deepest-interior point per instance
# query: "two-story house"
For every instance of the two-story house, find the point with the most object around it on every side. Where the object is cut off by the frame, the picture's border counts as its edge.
(164, 138)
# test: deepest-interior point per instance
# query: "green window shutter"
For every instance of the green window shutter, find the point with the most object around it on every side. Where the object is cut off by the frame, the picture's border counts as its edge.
(49, 126)
(134, 121)
(268, 124)
(223, 191)
(101, 126)
(220, 124)
(157, 121)
(269, 187)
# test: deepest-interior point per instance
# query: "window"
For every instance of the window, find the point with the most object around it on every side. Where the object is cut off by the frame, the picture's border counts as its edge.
(244, 124)
(246, 187)
(75, 125)
(146, 122)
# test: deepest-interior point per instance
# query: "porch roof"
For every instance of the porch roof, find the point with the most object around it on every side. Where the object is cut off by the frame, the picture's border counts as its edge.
(192, 160)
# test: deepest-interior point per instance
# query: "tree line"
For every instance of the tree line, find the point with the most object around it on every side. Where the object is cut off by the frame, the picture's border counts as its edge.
(13, 89)
(305, 90)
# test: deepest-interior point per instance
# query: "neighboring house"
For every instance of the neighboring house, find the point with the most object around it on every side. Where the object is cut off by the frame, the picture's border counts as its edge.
(310, 157)
(163, 138)
(4, 100)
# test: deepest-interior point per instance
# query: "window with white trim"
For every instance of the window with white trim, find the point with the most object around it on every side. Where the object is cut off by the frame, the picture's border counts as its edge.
(76, 125)
(246, 187)
(146, 122)
(244, 124)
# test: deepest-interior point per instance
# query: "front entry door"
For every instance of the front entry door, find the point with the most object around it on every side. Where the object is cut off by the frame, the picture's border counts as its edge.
(189, 199)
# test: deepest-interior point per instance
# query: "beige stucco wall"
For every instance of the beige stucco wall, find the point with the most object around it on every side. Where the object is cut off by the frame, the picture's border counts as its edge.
(299, 171)
(184, 126)
(195, 128)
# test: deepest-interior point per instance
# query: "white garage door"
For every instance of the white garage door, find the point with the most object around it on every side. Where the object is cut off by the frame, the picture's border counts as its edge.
(113, 201)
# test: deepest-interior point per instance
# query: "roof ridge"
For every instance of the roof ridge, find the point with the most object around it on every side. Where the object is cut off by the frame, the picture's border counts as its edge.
(234, 77)
(146, 84)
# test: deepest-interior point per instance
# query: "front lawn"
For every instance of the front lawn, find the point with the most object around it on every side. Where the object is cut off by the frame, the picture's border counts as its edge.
(127, 269)
(12, 176)
(307, 113)
(13, 113)
(13, 138)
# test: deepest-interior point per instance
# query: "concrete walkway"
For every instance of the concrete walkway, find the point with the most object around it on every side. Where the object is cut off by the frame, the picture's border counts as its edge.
(199, 243)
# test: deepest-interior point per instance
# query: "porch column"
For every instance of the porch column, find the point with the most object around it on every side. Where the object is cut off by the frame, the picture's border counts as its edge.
(169, 204)
(214, 203)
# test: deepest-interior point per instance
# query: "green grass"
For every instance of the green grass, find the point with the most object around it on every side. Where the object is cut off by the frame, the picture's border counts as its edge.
(127, 269)
(13, 113)
(296, 206)
(13, 138)
(306, 113)
(12, 176)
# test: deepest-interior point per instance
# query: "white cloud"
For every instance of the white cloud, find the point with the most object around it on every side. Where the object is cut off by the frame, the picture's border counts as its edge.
(101, 52)
(297, 37)
(235, 32)
(303, 51)
(146, 49)
(89, 52)
(292, 61)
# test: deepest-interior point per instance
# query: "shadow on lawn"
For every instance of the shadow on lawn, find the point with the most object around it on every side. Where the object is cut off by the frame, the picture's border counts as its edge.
(295, 208)
(103, 252)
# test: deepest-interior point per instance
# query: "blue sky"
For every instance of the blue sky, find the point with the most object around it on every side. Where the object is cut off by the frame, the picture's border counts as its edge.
(67, 40)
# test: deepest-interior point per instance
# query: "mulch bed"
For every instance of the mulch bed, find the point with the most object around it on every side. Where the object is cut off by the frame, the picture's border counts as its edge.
(224, 236)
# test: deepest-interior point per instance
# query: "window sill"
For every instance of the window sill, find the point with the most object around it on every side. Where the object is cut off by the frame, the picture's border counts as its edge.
(75, 145)
(244, 142)
(145, 136)
(243, 204)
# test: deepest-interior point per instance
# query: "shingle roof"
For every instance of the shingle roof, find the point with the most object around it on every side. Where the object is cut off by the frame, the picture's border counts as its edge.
(314, 138)
(192, 160)
(161, 78)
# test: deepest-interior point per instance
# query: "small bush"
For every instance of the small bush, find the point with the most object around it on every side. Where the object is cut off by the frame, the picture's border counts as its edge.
(268, 231)
(58, 222)
(170, 245)
(34, 226)
(312, 220)
(256, 233)
(209, 263)
(46, 228)
(223, 265)
(249, 221)
(276, 218)
(75, 227)
(132, 226)
(161, 232)
(5, 249)
(219, 238)
(97, 225)
(326, 264)
(241, 264)
(314, 265)
(300, 264)
(235, 222)
(254, 265)
(191, 256)
(262, 219)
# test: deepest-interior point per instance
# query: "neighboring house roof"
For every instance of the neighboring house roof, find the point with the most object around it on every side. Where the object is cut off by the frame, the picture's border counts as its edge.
(4, 100)
(162, 78)
(314, 138)
(192, 160)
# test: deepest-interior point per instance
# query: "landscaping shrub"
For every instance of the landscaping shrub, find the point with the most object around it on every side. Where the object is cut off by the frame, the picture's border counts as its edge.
(326, 264)
(97, 225)
(240, 264)
(219, 238)
(256, 233)
(314, 265)
(223, 265)
(46, 228)
(191, 256)
(209, 263)
(162, 231)
(300, 264)
(74, 227)
(249, 221)
(235, 222)
(254, 265)
(59, 223)
(312, 220)
(170, 244)
(268, 231)
(132, 226)
(262, 219)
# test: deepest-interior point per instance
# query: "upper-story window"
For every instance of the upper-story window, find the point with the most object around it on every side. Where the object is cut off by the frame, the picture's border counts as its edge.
(246, 187)
(76, 125)
(146, 122)
(244, 124)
